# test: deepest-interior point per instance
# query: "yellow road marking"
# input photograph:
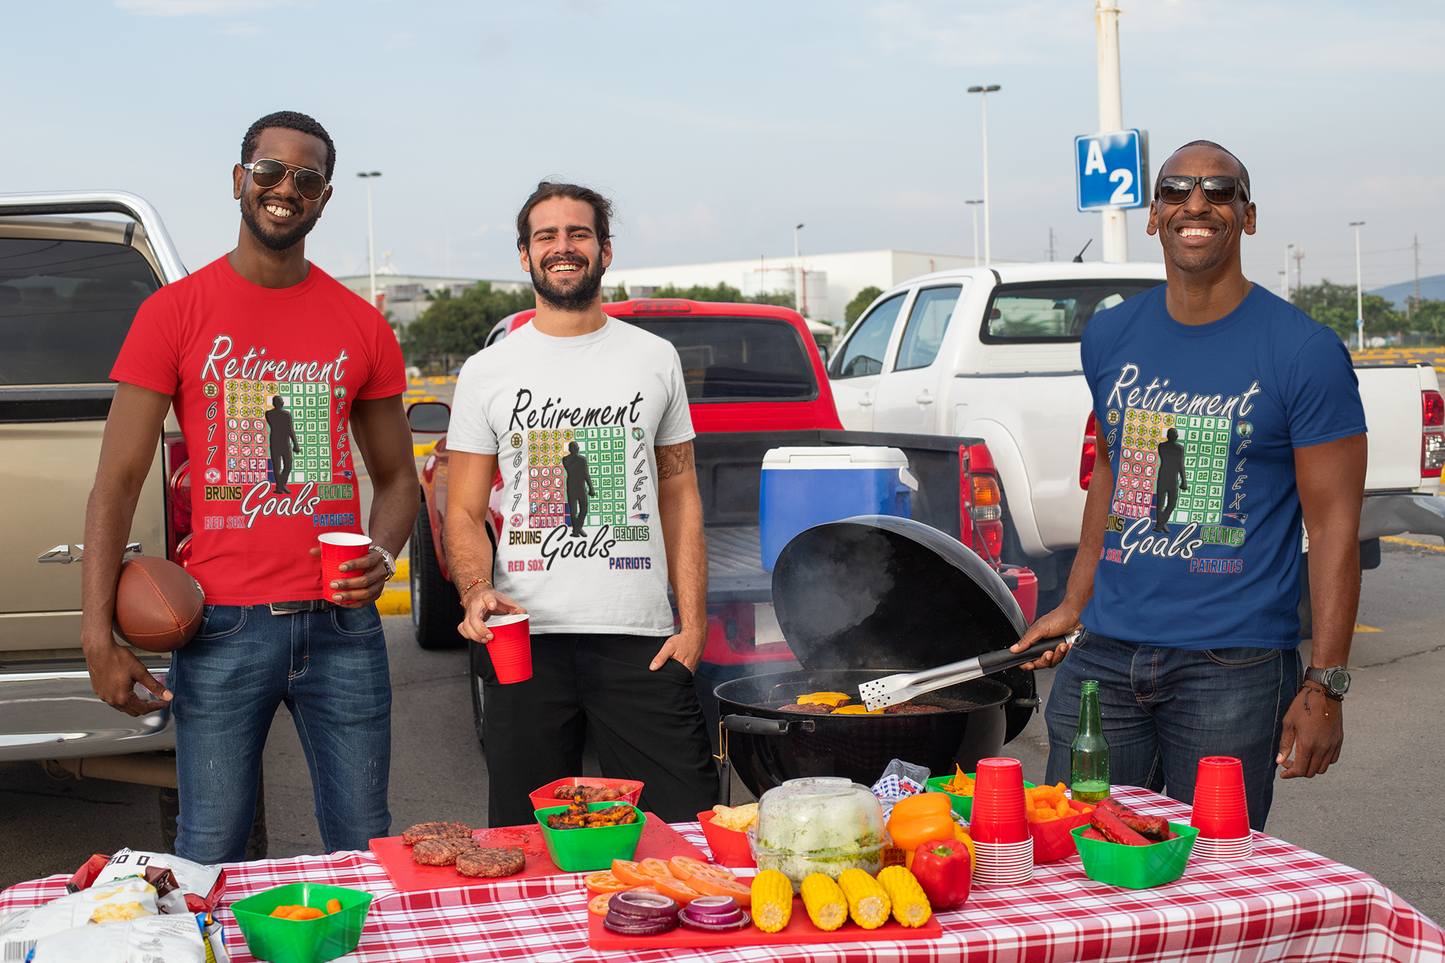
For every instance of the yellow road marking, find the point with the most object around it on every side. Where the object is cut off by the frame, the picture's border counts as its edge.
(403, 570)
(395, 601)
(1365, 628)
(1412, 543)
(419, 451)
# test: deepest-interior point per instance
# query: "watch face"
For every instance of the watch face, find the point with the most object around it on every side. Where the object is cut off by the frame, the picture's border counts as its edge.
(1338, 681)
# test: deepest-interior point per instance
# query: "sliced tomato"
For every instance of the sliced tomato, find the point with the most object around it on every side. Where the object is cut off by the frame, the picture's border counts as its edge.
(598, 904)
(629, 872)
(654, 867)
(685, 868)
(670, 885)
(604, 882)
(717, 886)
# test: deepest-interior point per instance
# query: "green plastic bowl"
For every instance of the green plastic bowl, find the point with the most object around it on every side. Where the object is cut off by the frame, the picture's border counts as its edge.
(594, 848)
(1136, 867)
(302, 941)
(962, 805)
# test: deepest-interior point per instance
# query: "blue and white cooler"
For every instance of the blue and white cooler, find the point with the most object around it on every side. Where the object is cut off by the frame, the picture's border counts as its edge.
(803, 487)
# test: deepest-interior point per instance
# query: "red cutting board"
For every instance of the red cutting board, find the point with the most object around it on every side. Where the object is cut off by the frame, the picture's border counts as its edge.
(800, 929)
(408, 876)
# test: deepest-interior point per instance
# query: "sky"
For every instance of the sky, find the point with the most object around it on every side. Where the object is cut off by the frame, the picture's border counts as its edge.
(717, 127)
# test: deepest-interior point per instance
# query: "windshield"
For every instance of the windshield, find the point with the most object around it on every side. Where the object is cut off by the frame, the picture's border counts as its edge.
(65, 308)
(738, 359)
(1048, 312)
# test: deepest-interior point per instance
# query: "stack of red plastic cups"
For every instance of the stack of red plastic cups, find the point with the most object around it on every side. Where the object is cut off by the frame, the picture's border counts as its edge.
(1220, 812)
(1003, 848)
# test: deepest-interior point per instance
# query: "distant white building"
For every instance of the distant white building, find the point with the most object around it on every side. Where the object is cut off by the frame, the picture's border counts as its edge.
(405, 295)
(823, 284)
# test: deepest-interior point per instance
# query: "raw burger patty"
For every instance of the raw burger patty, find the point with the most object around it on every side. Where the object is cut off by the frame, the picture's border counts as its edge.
(441, 852)
(422, 831)
(491, 862)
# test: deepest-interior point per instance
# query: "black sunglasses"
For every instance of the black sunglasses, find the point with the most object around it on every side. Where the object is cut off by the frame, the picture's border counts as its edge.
(268, 173)
(1217, 188)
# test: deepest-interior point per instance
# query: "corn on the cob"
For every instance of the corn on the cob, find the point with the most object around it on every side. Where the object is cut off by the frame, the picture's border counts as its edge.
(868, 903)
(910, 905)
(772, 900)
(827, 906)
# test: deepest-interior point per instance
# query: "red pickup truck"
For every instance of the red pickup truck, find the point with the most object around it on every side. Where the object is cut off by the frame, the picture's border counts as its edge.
(755, 381)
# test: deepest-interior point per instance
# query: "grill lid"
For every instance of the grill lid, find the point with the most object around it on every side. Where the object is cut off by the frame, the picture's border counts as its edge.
(880, 592)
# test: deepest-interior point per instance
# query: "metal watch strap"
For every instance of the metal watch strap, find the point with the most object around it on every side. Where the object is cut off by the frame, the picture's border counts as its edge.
(387, 558)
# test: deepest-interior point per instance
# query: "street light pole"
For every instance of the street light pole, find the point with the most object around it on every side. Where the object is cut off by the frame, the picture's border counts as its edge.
(1284, 275)
(987, 232)
(795, 241)
(973, 206)
(370, 242)
(1111, 118)
(1359, 287)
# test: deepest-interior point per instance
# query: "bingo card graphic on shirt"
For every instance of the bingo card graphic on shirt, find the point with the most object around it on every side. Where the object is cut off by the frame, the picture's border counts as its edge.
(248, 449)
(602, 451)
(1205, 441)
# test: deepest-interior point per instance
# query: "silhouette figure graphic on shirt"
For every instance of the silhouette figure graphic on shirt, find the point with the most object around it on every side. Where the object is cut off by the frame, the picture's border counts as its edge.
(1173, 479)
(283, 443)
(579, 487)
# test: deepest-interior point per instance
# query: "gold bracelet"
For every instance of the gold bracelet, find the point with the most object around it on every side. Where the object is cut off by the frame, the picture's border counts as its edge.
(473, 584)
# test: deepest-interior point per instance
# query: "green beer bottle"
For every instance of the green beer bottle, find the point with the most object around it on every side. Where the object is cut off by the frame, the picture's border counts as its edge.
(1089, 754)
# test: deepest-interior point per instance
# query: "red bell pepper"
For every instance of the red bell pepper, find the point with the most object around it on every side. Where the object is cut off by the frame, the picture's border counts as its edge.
(945, 871)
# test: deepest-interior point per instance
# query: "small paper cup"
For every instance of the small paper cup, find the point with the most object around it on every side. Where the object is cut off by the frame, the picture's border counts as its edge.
(338, 547)
(511, 647)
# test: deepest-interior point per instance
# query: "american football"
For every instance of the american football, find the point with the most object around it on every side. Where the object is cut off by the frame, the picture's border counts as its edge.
(157, 604)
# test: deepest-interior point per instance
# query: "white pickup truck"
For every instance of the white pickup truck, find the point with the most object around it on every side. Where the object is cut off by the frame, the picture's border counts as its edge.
(994, 353)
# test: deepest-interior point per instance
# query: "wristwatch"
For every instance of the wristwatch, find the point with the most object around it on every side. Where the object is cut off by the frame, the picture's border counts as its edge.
(1335, 679)
(390, 561)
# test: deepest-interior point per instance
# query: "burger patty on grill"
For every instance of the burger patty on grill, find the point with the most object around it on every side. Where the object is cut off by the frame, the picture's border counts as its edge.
(491, 862)
(441, 852)
(906, 707)
(436, 830)
(816, 708)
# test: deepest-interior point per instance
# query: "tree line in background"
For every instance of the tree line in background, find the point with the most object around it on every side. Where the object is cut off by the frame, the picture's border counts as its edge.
(1334, 305)
(453, 329)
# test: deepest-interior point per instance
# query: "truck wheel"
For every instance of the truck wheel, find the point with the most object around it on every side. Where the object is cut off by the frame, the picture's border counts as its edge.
(436, 610)
(256, 847)
(478, 691)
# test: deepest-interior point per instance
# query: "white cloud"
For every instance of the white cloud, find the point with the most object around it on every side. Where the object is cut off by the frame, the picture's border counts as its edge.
(195, 8)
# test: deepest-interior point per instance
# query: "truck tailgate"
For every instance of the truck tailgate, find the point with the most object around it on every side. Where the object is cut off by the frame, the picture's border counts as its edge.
(1392, 414)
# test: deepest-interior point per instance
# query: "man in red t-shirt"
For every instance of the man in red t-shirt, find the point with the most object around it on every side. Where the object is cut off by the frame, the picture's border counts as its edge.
(261, 351)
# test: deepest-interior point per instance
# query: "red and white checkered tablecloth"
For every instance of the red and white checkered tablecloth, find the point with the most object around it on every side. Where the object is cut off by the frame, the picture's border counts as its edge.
(1282, 904)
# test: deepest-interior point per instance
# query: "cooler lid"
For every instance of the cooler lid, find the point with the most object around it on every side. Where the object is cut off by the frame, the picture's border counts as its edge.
(834, 457)
(880, 592)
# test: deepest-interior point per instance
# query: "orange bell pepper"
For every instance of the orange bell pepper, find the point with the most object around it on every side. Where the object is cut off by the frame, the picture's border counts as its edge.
(918, 819)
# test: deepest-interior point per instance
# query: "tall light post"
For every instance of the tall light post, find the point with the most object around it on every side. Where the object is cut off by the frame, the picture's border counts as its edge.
(987, 234)
(1359, 287)
(795, 241)
(1284, 275)
(370, 243)
(1111, 117)
(973, 206)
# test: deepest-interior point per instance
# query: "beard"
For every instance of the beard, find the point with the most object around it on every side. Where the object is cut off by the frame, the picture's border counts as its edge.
(576, 296)
(1199, 260)
(276, 240)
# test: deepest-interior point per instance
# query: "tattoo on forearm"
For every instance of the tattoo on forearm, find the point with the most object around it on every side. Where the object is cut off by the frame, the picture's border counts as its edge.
(673, 460)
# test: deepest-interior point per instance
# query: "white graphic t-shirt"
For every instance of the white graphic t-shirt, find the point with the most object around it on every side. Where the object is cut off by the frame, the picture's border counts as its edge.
(573, 423)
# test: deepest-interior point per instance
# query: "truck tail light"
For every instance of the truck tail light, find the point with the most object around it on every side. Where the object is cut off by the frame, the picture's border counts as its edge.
(982, 515)
(1432, 438)
(1091, 449)
(178, 501)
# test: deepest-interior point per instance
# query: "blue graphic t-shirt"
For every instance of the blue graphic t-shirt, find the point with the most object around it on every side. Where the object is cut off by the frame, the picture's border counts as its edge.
(1202, 548)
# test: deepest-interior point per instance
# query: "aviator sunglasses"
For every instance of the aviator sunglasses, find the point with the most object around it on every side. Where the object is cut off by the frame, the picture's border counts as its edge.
(267, 173)
(1176, 188)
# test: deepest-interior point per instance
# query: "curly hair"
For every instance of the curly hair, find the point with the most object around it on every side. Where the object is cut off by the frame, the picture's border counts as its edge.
(289, 120)
(601, 208)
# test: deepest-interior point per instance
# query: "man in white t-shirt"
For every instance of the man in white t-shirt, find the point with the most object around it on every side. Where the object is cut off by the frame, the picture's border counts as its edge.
(576, 387)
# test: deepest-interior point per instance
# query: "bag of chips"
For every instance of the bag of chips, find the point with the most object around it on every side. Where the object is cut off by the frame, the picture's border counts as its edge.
(122, 900)
(201, 886)
(173, 939)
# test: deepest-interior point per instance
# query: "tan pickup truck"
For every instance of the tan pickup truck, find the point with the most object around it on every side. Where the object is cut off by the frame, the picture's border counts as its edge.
(74, 267)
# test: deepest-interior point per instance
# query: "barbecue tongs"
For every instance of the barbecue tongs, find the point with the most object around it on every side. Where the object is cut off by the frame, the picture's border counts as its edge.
(893, 689)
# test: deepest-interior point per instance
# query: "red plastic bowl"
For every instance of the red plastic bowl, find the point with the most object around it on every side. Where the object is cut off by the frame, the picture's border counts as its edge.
(546, 798)
(729, 846)
(1053, 840)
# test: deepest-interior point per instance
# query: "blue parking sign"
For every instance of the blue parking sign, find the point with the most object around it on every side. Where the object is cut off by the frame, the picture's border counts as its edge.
(1112, 169)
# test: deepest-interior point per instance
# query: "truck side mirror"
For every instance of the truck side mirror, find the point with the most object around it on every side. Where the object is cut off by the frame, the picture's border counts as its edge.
(429, 417)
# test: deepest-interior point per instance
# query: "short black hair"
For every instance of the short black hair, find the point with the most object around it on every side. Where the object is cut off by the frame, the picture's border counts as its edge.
(1243, 171)
(290, 120)
(601, 209)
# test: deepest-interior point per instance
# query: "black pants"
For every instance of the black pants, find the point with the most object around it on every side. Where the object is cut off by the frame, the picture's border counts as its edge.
(645, 725)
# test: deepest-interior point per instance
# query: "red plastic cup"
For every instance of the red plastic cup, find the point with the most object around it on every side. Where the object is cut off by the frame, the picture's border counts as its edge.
(998, 802)
(338, 547)
(1220, 809)
(511, 647)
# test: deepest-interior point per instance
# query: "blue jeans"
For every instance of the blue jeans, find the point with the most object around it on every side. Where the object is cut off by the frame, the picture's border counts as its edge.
(330, 670)
(1164, 709)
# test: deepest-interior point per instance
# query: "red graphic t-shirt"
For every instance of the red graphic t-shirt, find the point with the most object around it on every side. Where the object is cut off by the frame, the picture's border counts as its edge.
(263, 381)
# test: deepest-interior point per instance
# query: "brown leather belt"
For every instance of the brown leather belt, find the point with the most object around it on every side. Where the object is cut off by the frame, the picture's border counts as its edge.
(306, 605)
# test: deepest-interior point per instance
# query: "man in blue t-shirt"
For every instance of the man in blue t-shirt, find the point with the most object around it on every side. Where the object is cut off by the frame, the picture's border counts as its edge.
(1230, 421)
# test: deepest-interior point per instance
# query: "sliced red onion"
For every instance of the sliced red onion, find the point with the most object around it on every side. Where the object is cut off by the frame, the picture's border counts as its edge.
(631, 927)
(707, 906)
(712, 925)
(642, 905)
